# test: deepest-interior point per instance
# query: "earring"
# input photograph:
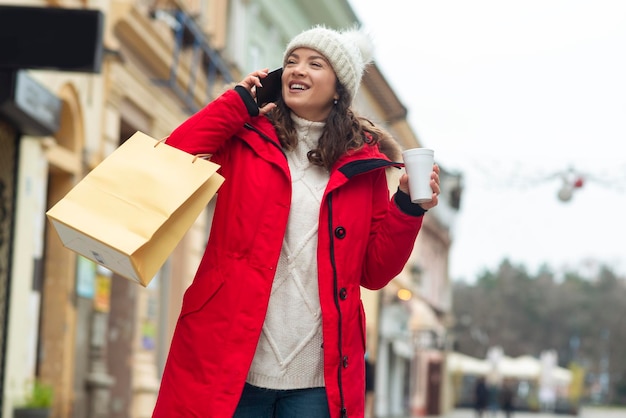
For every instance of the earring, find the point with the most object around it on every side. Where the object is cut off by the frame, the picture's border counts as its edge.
(334, 101)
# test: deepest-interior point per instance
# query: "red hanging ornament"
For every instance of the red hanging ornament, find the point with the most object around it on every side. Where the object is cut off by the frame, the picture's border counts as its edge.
(579, 182)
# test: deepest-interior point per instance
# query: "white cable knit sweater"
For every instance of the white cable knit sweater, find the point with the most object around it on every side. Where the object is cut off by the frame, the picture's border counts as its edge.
(289, 353)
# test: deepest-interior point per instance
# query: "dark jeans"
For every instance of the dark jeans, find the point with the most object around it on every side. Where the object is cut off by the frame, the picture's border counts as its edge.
(258, 402)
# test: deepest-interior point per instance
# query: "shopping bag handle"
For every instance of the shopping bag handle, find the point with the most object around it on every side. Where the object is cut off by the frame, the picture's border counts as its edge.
(203, 156)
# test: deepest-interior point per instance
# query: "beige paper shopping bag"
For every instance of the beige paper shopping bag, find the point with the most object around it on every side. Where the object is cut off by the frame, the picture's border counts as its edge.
(129, 213)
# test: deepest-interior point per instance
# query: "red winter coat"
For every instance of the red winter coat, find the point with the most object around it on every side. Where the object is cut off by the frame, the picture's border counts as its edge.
(364, 240)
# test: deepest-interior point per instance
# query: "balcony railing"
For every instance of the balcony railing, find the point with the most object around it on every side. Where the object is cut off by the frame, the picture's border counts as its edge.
(205, 62)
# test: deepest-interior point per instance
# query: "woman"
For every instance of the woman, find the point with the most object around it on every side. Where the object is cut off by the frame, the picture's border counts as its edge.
(273, 325)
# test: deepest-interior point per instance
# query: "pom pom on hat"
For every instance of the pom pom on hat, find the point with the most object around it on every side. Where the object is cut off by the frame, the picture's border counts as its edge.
(348, 52)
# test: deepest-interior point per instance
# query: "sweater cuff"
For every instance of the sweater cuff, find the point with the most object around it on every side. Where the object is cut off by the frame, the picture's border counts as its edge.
(404, 203)
(248, 100)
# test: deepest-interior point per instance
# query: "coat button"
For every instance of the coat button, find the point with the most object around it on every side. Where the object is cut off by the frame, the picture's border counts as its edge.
(340, 232)
(344, 362)
(343, 293)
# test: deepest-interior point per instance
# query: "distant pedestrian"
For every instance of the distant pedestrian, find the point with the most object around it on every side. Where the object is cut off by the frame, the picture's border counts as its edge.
(506, 399)
(493, 399)
(481, 397)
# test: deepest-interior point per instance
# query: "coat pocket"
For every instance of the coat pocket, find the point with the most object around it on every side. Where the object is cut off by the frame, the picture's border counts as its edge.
(199, 294)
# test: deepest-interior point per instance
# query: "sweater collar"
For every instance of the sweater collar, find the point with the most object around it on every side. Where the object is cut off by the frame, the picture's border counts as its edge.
(308, 132)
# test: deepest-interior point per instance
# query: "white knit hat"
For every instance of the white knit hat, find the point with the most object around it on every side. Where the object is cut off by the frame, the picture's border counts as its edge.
(348, 52)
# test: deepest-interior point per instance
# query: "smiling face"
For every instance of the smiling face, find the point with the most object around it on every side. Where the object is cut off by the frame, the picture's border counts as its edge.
(309, 84)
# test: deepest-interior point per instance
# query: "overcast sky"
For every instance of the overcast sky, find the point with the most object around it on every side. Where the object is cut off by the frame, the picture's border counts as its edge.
(514, 94)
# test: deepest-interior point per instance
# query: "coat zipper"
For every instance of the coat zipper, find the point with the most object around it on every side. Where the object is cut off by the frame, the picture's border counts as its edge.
(344, 413)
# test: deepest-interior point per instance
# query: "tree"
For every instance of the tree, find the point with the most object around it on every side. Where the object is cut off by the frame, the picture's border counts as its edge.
(579, 317)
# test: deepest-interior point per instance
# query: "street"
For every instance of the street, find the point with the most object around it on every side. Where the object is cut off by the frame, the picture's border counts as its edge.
(586, 412)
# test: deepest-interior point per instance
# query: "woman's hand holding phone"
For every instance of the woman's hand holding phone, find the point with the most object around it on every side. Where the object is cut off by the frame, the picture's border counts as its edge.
(264, 87)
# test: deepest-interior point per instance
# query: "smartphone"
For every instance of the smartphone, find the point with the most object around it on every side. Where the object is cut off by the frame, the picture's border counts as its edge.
(270, 92)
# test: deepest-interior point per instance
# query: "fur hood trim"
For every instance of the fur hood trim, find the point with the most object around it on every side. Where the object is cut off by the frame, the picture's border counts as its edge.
(390, 147)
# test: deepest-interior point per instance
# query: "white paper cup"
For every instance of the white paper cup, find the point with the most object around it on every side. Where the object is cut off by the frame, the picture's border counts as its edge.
(419, 163)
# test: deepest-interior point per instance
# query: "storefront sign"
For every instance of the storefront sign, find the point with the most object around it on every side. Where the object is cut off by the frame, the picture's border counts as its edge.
(51, 38)
(85, 278)
(33, 108)
(102, 296)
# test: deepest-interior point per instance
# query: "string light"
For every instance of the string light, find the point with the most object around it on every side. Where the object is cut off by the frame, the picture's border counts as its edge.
(571, 180)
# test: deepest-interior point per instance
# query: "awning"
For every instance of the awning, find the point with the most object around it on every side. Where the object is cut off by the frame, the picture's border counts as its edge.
(524, 367)
(423, 317)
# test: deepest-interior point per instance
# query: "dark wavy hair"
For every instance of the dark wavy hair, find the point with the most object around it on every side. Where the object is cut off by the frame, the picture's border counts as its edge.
(344, 131)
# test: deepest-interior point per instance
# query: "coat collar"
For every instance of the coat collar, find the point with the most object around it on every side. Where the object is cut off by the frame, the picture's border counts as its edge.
(368, 158)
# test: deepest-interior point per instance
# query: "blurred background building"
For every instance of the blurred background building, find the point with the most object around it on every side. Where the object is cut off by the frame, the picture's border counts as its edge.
(97, 338)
